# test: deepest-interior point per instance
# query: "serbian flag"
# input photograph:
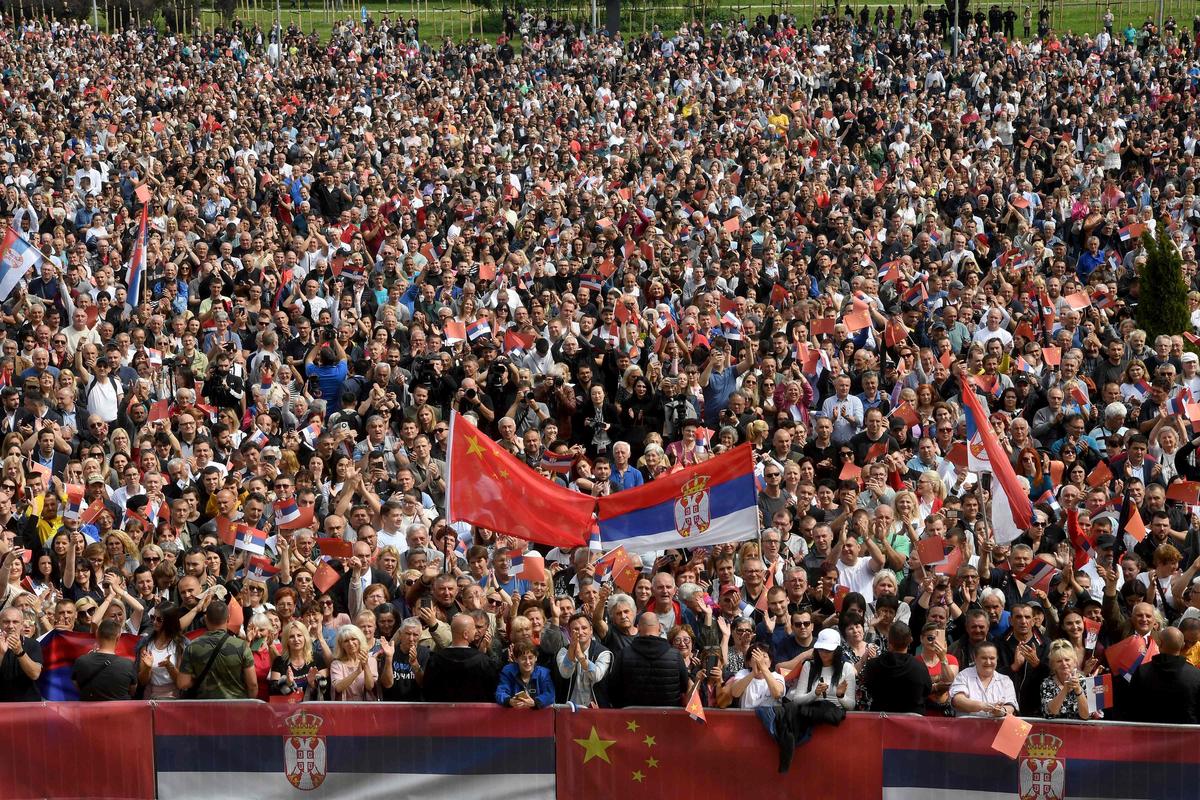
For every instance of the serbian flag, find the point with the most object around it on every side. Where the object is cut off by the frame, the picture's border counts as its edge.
(286, 511)
(258, 439)
(1127, 655)
(137, 262)
(517, 341)
(1012, 512)
(59, 651)
(17, 257)
(1099, 691)
(478, 329)
(559, 464)
(75, 503)
(978, 459)
(261, 569)
(311, 433)
(491, 488)
(1132, 231)
(713, 502)
(252, 540)
(1179, 403)
(1038, 575)
(590, 282)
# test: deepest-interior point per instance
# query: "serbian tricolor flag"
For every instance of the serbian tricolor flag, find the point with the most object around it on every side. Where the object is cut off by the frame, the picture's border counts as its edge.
(252, 540)
(517, 341)
(137, 262)
(590, 282)
(713, 502)
(75, 503)
(1127, 655)
(1179, 403)
(1099, 691)
(560, 464)
(286, 511)
(1038, 575)
(60, 649)
(1012, 512)
(489, 487)
(478, 329)
(310, 433)
(1131, 231)
(17, 257)
(261, 568)
(258, 439)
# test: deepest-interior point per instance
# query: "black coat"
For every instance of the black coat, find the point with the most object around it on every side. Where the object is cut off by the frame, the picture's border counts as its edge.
(649, 672)
(460, 675)
(898, 683)
(1167, 690)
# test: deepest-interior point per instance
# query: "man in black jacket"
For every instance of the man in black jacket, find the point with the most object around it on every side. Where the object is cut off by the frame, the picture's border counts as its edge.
(1167, 690)
(898, 682)
(649, 672)
(460, 673)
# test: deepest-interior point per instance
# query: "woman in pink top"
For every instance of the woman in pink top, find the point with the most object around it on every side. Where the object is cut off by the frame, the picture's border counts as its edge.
(353, 672)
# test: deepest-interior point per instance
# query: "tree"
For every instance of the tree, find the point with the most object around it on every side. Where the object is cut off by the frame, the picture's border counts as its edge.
(1162, 291)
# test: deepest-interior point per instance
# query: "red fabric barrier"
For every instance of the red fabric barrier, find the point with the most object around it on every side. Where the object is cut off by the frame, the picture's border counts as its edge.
(92, 750)
(610, 753)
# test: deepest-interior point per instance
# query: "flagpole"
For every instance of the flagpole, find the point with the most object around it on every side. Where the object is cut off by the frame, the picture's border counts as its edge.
(450, 518)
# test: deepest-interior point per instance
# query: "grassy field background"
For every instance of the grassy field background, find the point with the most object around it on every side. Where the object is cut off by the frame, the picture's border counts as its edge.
(462, 18)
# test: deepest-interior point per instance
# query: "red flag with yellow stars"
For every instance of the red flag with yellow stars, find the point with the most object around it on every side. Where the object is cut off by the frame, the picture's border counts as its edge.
(662, 753)
(491, 488)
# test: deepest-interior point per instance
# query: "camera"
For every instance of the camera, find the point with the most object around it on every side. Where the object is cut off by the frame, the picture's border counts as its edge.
(470, 394)
(558, 381)
(423, 372)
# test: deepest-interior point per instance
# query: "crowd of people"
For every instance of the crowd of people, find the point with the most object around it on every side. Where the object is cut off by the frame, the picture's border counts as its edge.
(633, 254)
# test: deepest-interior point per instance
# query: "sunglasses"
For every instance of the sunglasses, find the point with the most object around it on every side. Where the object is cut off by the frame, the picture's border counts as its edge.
(326, 603)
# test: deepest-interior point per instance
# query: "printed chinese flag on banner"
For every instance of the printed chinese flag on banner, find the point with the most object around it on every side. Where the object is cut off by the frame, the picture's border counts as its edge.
(493, 489)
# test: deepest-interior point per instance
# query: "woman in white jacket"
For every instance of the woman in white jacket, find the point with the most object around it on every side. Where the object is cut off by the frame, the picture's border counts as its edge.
(826, 678)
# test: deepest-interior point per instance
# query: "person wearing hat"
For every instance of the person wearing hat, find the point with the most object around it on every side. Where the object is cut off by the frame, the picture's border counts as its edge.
(827, 677)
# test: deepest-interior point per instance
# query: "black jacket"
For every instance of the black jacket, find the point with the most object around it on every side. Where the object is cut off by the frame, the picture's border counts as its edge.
(649, 672)
(460, 675)
(897, 683)
(1167, 690)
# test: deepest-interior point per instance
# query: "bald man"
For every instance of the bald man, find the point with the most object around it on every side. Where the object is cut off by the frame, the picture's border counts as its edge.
(649, 672)
(461, 673)
(1167, 690)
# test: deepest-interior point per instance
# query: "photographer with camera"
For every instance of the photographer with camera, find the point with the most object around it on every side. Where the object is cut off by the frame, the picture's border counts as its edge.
(526, 411)
(223, 389)
(469, 400)
(330, 370)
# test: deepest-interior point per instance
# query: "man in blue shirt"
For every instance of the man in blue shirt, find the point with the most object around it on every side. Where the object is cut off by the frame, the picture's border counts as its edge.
(719, 378)
(624, 475)
(1090, 260)
(330, 373)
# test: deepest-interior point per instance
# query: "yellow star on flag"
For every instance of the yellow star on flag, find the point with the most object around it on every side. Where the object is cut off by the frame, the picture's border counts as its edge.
(649, 740)
(651, 762)
(503, 474)
(473, 446)
(638, 776)
(632, 726)
(595, 747)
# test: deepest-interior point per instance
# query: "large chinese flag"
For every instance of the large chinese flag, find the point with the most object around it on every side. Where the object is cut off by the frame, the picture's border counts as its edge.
(493, 489)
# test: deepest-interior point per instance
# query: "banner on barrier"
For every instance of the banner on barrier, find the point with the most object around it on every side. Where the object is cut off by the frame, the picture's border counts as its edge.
(930, 759)
(370, 750)
(94, 750)
(665, 753)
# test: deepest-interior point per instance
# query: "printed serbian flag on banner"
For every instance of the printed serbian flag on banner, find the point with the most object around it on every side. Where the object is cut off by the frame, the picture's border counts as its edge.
(1012, 512)
(710, 503)
(924, 760)
(469, 752)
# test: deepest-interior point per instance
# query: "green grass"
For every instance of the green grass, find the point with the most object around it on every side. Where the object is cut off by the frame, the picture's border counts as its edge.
(450, 18)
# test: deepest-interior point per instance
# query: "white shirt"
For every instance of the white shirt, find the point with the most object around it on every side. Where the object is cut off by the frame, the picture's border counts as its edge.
(1000, 691)
(857, 577)
(758, 692)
